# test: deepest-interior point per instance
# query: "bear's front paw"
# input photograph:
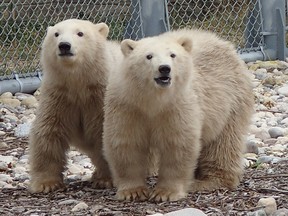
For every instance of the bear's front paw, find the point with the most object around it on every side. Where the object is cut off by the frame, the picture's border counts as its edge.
(139, 194)
(166, 194)
(45, 186)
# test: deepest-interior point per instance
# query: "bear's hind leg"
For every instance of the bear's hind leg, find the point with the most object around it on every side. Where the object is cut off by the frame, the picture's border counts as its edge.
(101, 177)
(221, 161)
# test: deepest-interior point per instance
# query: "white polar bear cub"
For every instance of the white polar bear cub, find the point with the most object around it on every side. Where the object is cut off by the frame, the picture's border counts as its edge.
(183, 95)
(77, 60)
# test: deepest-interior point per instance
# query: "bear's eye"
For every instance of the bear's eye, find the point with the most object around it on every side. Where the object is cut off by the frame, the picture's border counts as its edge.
(56, 34)
(173, 55)
(80, 34)
(149, 57)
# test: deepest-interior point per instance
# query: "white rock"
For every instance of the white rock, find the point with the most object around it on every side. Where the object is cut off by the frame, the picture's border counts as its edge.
(285, 121)
(278, 148)
(3, 145)
(74, 169)
(281, 212)
(30, 102)
(21, 96)
(283, 90)
(80, 206)
(5, 178)
(6, 95)
(157, 214)
(276, 132)
(262, 134)
(2, 133)
(10, 102)
(3, 184)
(186, 212)
(3, 166)
(19, 169)
(259, 212)
(269, 205)
(22, 130)
(7, 159)
(68, 202)
(11, 117)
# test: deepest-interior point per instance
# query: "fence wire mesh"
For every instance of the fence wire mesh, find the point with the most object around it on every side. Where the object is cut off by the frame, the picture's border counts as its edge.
(229, 18)
(23, 24)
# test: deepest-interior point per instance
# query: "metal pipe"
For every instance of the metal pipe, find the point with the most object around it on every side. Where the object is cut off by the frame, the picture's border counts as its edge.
(25, 85)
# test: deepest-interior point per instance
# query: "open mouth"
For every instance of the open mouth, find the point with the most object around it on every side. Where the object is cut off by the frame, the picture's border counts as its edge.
(163, 81)
(66, 54)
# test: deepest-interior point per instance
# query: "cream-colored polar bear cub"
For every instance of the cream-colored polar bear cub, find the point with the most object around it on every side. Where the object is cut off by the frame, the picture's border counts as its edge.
(184, 95)
(76, 59)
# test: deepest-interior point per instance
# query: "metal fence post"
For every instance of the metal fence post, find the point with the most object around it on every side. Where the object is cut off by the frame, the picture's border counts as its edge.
(271, 35)
(273, 13)
(151, 17)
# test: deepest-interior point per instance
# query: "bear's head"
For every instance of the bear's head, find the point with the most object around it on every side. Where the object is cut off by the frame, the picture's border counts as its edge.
(159, 61)
(73, 42)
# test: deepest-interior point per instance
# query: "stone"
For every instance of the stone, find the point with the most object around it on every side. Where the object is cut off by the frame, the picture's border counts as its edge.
(10, 102)
(37, 93)
(22, 130)
(6, 95)
(260, 212)
(3, 166)
(270, 141)
(3, 145)
(80, 206)
(68, 202)
(260, 73)
(262, 134)
(250, 156)
(5, 178)
(254, 67)
(2, 133)
(281, 212)
(284, 121)
(186, 212)
(269, 205)
(18, 209)
(7, 159)
(275, 132)
(269, 81)
(278, 148)
(252, 147)
(74, 169)
(11, 118)
(283, 91)
(30, 102)
(265, 159)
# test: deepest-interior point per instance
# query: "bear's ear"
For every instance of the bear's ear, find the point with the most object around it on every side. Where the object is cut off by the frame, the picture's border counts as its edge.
(103, 29)
(186, 43)
(49, 29)
(127, 46)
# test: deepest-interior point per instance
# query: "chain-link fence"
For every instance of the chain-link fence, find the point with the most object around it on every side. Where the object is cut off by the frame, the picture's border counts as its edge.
(23, 24)
(229, 18)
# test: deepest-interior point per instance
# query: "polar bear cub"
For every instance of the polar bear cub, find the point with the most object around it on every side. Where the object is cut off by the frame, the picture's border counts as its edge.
(185, 96)
(77, 60)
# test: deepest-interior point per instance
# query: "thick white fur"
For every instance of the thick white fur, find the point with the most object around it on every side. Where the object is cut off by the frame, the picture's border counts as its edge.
(195, 127)
(71, 102)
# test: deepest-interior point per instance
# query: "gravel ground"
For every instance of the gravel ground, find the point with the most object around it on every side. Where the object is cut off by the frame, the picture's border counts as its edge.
(266, 172)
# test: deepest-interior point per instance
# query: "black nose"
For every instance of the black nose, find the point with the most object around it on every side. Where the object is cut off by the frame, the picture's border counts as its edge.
(64, 46)
(164, 69)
